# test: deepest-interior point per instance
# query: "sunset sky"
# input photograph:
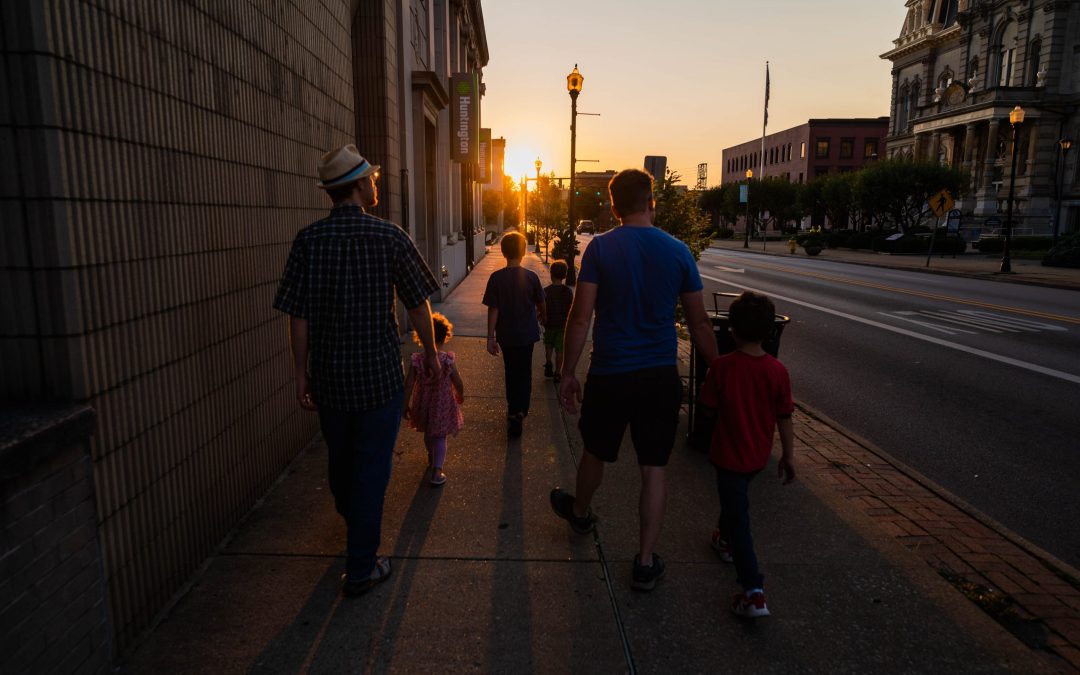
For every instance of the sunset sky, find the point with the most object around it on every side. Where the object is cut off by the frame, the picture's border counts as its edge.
(683, 78)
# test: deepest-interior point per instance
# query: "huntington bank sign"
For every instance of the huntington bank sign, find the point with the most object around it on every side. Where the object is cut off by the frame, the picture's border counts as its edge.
(465, 127)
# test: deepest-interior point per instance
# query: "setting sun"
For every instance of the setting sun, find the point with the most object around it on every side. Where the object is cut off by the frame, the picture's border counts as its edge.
(521, 161)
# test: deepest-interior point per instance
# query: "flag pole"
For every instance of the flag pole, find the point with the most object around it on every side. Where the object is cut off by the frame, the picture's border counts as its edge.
(764, 126)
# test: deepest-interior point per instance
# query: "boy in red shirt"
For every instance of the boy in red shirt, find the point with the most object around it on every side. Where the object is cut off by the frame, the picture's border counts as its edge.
(751, 394)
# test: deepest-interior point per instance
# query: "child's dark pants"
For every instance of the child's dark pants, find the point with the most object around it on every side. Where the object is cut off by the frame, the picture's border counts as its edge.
(735, 525)
(517, 362)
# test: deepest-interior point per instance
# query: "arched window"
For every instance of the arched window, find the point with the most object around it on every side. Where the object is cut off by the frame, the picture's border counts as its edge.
(947, 12)
(1006, 55)
(903, 109)
(913, 104)
(1034, 56)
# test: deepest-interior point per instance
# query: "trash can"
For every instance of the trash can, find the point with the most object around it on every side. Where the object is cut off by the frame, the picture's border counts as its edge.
(699, 430)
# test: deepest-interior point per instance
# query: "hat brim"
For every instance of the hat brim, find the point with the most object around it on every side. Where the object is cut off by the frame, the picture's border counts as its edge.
(362, 171)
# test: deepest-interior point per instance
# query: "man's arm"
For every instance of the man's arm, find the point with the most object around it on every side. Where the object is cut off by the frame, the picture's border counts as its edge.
(577, 327)
(493, 318)
(298, 340)
(699, 325)
(420, 318)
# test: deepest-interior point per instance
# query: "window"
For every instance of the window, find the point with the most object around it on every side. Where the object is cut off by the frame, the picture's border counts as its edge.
(802, 151)
(1006, 55)
(847, 148)
(870, 148)
(1034, 55)
(821, 148)
(903, 108)
(800, 176)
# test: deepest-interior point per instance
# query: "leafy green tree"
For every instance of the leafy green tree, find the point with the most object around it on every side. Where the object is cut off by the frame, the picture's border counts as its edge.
(895, 192)
(837, 196)
(678, 214)
(779, 199)
(547, 209)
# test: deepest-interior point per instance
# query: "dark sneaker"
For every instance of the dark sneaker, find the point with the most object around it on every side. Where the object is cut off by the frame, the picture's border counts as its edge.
(514, 425)
(562, 503)
(722, 548)
(549, 370)
(750, 605)
(645, 578)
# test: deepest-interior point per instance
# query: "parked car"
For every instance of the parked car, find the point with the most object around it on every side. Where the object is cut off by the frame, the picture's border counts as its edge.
(586, 227)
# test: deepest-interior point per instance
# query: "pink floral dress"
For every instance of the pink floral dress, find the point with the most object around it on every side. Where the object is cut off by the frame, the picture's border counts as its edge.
(434, 409)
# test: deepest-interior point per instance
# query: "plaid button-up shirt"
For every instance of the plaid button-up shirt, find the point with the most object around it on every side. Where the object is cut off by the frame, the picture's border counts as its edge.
(341, 276)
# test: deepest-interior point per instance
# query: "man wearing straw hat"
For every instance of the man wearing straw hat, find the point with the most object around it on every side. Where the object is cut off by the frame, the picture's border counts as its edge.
(338, 290)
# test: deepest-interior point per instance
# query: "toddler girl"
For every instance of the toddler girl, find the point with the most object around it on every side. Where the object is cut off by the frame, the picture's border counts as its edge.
(433, 406)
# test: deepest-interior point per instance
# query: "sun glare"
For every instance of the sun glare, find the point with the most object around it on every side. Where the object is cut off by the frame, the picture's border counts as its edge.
(521, 161)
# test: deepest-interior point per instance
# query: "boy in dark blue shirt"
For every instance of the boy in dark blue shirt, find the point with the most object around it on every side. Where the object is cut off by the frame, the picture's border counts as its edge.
(515, 302)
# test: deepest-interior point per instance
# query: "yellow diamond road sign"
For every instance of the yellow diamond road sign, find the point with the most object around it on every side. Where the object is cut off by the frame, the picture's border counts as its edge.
(941, 203)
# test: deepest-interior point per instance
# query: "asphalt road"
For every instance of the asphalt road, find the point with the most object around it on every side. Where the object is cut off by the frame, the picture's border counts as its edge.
(975, 384)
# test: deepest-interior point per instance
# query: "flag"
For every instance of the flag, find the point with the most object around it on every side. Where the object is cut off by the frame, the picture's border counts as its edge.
(766, 93)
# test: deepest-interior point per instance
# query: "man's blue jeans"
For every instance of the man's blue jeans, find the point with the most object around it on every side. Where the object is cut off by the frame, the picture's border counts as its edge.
(361, 449)
(735, 525)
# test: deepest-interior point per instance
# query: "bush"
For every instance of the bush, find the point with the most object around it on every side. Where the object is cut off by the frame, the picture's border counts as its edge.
(1025, 243)
(725, 233)
(839, 238)
(1066, 253)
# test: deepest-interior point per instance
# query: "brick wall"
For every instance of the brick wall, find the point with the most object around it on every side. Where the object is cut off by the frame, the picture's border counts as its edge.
(52, 590)
(158, 160)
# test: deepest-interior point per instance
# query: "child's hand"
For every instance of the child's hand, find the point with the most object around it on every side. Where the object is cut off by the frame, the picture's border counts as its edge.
(406, 412)
(460, 398)
(492, 346)
(785, 469)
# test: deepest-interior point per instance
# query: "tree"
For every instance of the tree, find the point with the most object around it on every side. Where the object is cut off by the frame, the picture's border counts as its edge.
(678, 214)
(711, 201)
(895, 191)
(837, 195)
(547, 210)
(778, 198)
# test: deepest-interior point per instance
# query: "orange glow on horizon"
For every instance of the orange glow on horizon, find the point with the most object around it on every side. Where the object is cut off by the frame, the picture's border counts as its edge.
(520, 161)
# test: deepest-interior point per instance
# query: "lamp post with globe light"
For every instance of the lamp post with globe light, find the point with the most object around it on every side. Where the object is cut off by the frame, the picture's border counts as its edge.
(573, 85)
(746, 240)
(536, 228)
(1065, 144)
(1016, 118)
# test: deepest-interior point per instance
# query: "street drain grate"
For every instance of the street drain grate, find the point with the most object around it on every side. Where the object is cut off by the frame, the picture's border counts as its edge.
(1001, 608)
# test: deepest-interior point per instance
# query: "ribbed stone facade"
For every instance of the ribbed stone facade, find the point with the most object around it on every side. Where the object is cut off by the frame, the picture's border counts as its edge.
(158, 160)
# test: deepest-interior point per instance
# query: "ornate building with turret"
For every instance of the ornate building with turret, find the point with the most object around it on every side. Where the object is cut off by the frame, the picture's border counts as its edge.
(959, 68)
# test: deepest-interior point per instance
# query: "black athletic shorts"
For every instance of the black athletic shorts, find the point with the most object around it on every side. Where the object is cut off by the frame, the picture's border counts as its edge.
(647, 400)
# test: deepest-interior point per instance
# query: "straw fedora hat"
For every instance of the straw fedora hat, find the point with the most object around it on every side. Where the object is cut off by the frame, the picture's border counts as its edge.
(343, 166)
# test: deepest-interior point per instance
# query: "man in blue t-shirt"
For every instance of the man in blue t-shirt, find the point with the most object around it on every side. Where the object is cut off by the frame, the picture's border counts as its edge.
(632, 277)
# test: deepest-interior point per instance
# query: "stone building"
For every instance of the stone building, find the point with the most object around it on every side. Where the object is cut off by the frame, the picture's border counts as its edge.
(159, 158)
(959, 68)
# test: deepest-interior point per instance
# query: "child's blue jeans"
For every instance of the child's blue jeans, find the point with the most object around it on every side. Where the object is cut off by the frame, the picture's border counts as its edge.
(734, 525)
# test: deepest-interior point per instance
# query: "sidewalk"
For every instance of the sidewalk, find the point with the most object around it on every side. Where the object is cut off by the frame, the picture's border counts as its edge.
(971, 264)
(487, 579)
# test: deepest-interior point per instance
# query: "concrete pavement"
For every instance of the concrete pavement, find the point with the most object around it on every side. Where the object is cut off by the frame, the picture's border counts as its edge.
(860, 556)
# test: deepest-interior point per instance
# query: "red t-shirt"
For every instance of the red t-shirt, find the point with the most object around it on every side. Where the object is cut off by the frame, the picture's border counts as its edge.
(748, 393)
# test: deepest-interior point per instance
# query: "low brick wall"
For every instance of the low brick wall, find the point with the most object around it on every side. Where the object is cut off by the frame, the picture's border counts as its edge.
(53, 612)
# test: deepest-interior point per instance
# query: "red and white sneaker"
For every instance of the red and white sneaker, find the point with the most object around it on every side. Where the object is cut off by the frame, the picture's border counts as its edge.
(720, 546)
(750, 605)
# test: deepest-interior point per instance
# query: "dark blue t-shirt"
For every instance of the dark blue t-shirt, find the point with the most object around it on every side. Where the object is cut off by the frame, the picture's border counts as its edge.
(640, 273)
(515, 292)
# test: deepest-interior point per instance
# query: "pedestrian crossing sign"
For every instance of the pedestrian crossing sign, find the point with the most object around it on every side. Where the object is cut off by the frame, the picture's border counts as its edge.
(941, 203)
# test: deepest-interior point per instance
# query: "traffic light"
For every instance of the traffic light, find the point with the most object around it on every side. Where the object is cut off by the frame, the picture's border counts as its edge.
(577, 193)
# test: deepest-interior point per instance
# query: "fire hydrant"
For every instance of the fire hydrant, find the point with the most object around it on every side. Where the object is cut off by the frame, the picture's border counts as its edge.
(791, 245)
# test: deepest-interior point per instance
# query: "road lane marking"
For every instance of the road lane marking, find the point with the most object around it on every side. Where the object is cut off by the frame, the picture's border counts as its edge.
(947, 331)
(924, 294)
(729, 269)
(1042, 370)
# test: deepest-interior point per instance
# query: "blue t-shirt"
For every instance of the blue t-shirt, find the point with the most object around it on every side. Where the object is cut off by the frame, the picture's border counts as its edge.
(515, 292)
(640, 272)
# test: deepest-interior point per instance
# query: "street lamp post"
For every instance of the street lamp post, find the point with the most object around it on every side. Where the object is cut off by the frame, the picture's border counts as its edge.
(573, 85)
(746, 239)
(525, 207)
(1065, 144)
(536, 227)
(1016, 118)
